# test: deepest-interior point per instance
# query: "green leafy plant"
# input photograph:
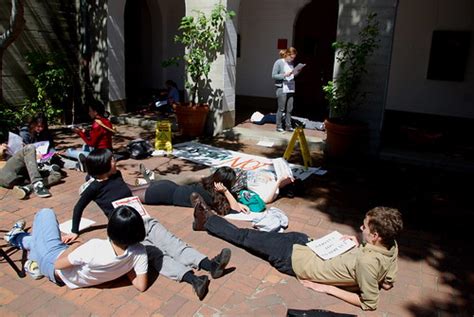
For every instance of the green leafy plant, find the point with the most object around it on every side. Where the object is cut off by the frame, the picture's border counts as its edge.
(52, 82)
(202, 37)
(343, 93)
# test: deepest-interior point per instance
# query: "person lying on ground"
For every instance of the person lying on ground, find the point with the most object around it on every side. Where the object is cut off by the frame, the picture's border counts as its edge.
(169, 255)
(22, 174)
(81, 265)
(368, 267)
(263, 182)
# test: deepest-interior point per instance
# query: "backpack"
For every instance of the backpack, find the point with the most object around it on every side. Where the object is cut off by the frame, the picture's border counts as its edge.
(252, 200)
(139, 149)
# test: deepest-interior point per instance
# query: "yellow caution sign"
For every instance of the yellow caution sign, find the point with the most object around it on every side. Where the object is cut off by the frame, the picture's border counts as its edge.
(163, 136)
(299, 134)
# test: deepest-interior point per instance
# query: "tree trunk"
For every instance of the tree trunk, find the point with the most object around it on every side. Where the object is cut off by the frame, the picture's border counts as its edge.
(17, 23)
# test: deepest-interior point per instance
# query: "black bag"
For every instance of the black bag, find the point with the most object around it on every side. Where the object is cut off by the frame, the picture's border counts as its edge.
(139, 149)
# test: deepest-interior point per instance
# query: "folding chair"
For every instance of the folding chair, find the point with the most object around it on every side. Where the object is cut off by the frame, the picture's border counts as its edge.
(21, 273)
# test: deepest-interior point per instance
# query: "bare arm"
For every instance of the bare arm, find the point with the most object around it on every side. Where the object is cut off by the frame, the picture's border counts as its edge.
(351, 298)
(234, 204)
(139, 281)
(62, 262)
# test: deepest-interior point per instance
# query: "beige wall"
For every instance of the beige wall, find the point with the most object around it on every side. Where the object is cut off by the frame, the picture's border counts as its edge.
(409, 90)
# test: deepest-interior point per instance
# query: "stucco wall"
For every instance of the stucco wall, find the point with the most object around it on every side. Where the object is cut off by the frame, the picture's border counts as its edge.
(409, 90)
(260, 25)
(50, 27)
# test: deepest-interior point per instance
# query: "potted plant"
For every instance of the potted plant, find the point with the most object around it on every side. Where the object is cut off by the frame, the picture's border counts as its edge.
(202, 36)
(345, 135)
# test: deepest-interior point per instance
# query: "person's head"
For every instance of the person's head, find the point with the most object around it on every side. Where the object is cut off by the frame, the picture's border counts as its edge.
(225, 175)
(169, 83)
(38, 123)
(290, 54)
(282, 53)
(96, 108)
(125, 226)
(382, 225)
(100, 163)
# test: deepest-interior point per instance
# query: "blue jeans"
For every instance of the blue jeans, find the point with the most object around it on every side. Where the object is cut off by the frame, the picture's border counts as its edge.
(274, 247)
(45, 244)
(74, 153)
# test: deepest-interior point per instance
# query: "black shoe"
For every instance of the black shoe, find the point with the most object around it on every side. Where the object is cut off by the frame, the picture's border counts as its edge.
(219, 262)
(21, 192)
(82, 163)
(201, 286)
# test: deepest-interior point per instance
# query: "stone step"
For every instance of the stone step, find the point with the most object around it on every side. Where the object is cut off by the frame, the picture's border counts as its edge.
(315, 144)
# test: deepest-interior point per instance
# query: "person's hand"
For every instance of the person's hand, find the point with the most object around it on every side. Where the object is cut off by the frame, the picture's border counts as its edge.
(243, 209)
(288, 73)
(282, 182)
(353, 238)
(69, 238)
(320, 288)
(219, 187)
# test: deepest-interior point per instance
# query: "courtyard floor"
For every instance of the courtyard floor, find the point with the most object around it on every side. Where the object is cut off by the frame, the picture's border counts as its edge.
(435, 266)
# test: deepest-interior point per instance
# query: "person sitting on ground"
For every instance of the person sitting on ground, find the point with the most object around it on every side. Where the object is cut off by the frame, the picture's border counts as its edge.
(368, 267)
(81, 265)
(22, 174)
(99, 137)
(37, 130)
(170, 256)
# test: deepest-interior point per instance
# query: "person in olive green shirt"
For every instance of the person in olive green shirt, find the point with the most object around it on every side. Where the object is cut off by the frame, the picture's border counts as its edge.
(367, 268)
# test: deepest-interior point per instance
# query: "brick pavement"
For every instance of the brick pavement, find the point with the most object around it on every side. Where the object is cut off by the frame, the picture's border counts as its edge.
(434, 279)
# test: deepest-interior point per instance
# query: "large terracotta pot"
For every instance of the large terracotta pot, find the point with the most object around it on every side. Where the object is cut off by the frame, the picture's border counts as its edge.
(345, 140)
(191, 118)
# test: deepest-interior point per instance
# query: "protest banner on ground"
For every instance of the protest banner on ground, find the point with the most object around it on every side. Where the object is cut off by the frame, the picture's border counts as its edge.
(212, 156)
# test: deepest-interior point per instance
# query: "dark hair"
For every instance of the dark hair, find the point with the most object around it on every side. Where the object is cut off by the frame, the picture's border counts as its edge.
(98, 107)
(39, 118)
(125, 226)
(171, 83)
(387, 222)
(225, 175)
(98, 162)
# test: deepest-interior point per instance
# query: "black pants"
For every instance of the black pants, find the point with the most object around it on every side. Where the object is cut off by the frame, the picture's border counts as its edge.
(276, 248)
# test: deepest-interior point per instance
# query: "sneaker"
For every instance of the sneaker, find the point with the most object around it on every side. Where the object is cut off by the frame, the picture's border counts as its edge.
(32, 268)
(280, 130)
(290, 129)
(201, 286)
(40, 190)
(147, 174)
(219, 262)
(18, 227)
(21, 192)
(82, 163)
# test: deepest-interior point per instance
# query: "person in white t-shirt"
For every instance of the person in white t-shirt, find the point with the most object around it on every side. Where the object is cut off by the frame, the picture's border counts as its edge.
(265, 184)
(81, 265)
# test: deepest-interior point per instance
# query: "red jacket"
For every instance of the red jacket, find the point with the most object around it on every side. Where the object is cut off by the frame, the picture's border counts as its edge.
(99, 137)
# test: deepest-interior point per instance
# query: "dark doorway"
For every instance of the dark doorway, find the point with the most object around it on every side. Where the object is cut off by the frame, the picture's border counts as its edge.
(138, 53)
(315, 31)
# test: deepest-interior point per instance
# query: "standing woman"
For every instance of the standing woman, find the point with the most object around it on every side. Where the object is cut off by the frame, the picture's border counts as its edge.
(284, 78)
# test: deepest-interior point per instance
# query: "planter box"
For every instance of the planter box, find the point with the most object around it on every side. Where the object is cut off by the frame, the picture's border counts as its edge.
(191, 118)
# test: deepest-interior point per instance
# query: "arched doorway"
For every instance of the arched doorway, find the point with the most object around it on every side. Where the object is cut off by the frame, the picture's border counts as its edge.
(138, 53)
(315, 31)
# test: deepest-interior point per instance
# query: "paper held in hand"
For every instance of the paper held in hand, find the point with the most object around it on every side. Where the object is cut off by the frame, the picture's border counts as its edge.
(331, 245)
(298, 68)
(133, 202)
(282, 168)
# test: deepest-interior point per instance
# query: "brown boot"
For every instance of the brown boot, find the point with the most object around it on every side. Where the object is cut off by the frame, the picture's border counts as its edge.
(201, 212)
